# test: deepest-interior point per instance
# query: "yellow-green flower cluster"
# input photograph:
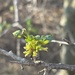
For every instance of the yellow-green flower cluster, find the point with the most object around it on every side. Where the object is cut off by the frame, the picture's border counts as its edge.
(34, 44)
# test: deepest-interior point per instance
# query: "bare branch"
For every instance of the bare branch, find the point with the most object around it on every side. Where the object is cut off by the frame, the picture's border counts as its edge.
(12, 55)
(49, 65)
(18, 47)
(63, 42)
(61, 66)
(60, 42)
(25, 62)
(17, 25)
(15, 2)
(4, 32)
(16, 15)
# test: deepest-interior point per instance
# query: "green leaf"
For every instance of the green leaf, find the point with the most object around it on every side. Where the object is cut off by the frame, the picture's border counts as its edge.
(37, 37)
(43, 37)
(45, 42)
(38, 47)
(28, 38)
(34, 44)
(27, 53)
(49, 37)
(28, 22)
(34, 53)
(17, 34)
(45, 49)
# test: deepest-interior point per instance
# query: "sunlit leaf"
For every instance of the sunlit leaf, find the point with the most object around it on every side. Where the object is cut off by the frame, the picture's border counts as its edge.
(17, 34)
(45, 42)
(27, 53)
(34, 53)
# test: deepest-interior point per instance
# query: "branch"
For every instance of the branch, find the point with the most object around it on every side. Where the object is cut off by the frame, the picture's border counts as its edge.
(49, 65)
(60, 42)
(15, 2)
(63, 42)
(16, 15)
(61, 66)
(25, 62)
(13, 56)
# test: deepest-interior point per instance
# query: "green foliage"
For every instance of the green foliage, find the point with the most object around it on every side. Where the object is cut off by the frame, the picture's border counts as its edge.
(3, 26)
(34, 44)
(11, 8)
(28, 22)
(30, 27)
(17, 34)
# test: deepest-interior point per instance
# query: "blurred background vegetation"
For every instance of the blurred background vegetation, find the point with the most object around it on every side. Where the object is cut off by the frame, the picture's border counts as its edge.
(41, 17)
(38, 17)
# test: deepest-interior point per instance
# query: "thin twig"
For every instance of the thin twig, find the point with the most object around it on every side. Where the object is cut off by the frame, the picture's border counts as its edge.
(60, 42)
(16, 15)
(45, 71)
(4, 32)
(15, 3)
(18, 47)
(16, 23)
